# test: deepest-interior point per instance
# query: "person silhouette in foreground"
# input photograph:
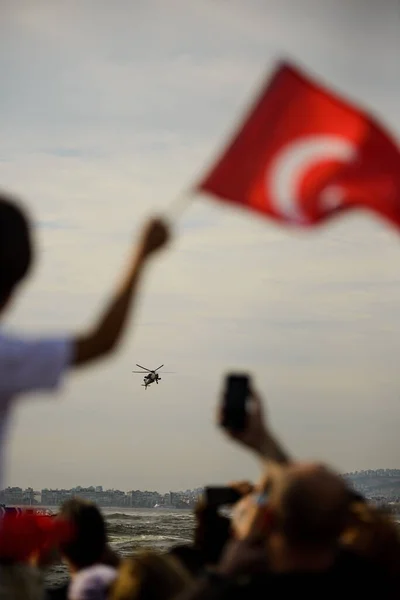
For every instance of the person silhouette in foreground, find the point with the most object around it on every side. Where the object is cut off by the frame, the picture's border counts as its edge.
(39, 364)
(87, 554)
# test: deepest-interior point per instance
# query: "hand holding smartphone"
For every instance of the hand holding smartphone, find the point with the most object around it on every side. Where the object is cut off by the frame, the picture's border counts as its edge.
(234, 402)
(221, 496)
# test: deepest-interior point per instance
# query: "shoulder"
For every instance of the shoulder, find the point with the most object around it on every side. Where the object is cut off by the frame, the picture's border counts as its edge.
(34, 363)
(92, 580)
(13, 347)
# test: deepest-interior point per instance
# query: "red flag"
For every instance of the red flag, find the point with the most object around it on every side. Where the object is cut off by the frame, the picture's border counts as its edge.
(303, 154)
(23, 535)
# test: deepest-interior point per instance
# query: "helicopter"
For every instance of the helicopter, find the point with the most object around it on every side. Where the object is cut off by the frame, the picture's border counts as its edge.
(151, 376)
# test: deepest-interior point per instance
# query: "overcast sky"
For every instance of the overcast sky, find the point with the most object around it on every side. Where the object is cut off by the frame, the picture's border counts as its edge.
(109, 110)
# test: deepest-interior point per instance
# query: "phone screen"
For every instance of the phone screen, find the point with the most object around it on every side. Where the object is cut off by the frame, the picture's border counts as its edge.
(234, 402)
(221, 496)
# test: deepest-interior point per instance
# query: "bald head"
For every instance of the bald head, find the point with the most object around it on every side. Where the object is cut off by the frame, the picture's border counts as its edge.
(311, 504)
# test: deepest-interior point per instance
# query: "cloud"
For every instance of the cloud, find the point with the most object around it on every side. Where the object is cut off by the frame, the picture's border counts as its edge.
(108, 115)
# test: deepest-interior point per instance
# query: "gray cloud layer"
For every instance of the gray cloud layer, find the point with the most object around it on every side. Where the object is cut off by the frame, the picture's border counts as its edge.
(107, 113)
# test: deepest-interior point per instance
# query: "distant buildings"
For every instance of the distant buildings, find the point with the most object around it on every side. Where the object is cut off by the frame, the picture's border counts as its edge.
(382, 486)
(106, 498)
(15, 496)
(374, 473)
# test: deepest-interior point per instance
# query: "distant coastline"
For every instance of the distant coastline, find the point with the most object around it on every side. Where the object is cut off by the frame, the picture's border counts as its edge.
(382, 486)
(16, 496)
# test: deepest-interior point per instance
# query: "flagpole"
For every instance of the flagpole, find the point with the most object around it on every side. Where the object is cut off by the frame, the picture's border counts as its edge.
(185, 198)
(179, 205)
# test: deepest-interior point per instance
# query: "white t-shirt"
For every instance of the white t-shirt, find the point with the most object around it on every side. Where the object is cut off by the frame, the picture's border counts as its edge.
(28, 365)
(92, 583)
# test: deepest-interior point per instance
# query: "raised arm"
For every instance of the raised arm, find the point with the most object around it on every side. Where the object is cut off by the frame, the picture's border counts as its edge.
(105, 336)
(258, 437)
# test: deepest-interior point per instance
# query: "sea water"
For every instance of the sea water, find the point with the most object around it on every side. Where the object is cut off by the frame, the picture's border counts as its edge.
(131, 530)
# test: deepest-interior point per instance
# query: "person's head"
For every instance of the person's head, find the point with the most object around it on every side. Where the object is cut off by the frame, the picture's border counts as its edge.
(90, 541)
(16, 247)
(150, 576)
(310, 505)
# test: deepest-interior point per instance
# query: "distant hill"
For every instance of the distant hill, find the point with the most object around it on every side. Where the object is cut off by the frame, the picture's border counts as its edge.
(377, 484)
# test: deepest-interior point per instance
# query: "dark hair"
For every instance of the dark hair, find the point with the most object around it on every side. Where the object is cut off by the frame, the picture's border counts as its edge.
(16, 249)
(190, 557)
(305, 518)
(90, 540)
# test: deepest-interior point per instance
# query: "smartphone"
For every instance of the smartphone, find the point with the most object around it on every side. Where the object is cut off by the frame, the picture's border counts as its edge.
(221, 496)
(234, 402)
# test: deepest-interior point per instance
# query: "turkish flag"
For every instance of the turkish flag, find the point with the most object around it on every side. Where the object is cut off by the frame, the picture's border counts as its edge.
(303, 154)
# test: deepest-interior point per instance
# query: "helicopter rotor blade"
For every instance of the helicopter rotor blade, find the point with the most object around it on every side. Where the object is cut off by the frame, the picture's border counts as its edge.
(144, 368)
(157, 368)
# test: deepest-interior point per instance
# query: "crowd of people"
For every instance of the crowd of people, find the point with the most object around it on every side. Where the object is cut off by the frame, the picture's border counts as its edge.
(300, 528)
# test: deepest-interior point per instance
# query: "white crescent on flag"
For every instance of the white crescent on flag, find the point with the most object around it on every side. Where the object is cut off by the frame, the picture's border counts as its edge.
(283, 178)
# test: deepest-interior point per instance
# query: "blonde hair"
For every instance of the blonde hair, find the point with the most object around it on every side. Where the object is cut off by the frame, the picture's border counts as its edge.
(149, 576)
(20, 582)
